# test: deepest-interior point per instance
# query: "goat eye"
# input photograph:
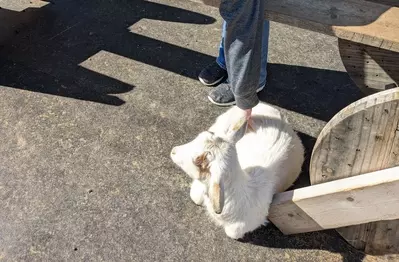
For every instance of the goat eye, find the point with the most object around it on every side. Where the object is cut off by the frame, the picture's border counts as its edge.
(210, 132)
(209, 155)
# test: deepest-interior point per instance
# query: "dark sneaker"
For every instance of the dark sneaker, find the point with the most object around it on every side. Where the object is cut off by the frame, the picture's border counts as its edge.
(223, 96)
(213, 74)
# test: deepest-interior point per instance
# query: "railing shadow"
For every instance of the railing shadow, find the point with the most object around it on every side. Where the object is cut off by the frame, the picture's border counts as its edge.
(46, 50)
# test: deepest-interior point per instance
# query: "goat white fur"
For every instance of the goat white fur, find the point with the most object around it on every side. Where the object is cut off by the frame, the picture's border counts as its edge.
(235, 172)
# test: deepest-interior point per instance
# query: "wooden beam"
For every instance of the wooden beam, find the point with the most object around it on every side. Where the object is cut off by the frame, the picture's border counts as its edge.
(344, 202)
(365, 22)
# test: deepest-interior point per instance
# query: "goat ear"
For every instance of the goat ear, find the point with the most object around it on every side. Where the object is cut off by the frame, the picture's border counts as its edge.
(201, 161)
(216, 195)
(237, 129)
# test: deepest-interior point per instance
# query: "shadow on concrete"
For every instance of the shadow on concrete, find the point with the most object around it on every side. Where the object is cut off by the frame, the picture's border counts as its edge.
(45, 56)
(304, 179)
(317, 93)
(329, 240)
(13, 21)
(45, 52)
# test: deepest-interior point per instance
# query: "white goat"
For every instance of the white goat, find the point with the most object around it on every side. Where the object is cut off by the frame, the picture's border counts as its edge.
(235, 172)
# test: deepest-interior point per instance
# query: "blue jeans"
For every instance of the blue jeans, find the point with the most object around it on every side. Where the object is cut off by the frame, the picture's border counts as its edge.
(265, 46)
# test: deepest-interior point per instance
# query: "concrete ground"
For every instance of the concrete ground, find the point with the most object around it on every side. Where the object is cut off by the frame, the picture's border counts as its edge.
(94, 94)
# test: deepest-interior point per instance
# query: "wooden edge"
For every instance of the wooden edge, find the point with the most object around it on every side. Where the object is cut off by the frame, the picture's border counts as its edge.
(354, 108)
(359, 21)
(344, 202)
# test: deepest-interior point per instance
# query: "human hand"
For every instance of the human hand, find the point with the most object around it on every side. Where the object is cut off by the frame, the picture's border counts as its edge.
(248, 113)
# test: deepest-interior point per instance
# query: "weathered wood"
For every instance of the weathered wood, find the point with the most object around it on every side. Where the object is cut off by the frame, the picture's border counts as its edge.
(360, 21)
(362, 138)
(372, 69)
(382, 239)
(338, 203)
(386, 2)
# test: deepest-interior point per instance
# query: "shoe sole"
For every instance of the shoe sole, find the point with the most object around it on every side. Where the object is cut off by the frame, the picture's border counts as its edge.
(211, 84)
(231, 103)
(219, 104)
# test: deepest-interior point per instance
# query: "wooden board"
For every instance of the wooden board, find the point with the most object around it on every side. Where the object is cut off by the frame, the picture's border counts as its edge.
(360, 21)
(362, 138)
(374, 195)
(386, 2)
(372, 69)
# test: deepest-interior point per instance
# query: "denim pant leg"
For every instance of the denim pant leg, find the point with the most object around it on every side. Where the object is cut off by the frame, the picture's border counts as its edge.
(220, 59)
(265, 48)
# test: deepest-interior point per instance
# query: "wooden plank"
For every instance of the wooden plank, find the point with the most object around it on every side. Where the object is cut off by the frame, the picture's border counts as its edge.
(377, 240)
(382, 237)
(361, 138)
(372, 69)
(365, 22)
(344, 202)
(386, 2)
